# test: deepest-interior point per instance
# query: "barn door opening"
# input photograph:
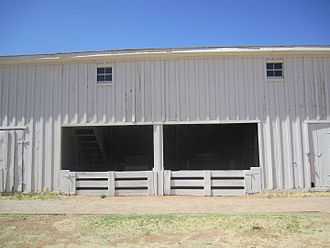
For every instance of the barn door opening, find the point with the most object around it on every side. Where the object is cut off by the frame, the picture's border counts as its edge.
(211, 147)
(115, 148)
(11, 160)
(320, 154)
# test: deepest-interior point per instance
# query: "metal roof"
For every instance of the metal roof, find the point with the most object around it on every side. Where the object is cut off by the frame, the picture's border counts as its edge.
(170, 50)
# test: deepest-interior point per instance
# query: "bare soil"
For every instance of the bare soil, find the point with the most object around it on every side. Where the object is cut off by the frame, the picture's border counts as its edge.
(270, 220)
(203, 230)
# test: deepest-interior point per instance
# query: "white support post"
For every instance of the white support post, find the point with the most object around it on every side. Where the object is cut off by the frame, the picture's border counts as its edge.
(155, 181)
(256, 179)
(247, 182)
(158, 157)
(207, 183)
(167, 182)
(72, 177)
(2, 188)
(151, 189)
(111, 183)
(252, 179)
(160, 182)
(67, 182)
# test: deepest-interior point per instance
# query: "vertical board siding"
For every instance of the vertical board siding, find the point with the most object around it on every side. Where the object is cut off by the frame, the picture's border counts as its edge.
(2, 83)
(45, 97)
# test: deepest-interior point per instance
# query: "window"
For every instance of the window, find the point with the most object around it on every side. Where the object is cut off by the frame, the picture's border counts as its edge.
(274, 70)
(104, 75)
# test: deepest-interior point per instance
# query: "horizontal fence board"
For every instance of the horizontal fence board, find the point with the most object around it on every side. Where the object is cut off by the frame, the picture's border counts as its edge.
(132, 183)
(91, 174)
(142, 192)
(187, 174)
(175, 183)
(92, 192)
(129, 174)
(232, 182)
(192, 192)
(91, 184)
(230, 173)
(227, 192)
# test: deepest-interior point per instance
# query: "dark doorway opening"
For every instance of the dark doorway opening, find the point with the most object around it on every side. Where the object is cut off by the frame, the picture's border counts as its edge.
(115, 148)
(211, 147)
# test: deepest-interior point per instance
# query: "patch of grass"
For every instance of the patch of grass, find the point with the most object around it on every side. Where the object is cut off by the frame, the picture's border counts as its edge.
(171, 230)
(293, 225)
(298, 195)
(270, 196)
(186, 223)
(32, 196)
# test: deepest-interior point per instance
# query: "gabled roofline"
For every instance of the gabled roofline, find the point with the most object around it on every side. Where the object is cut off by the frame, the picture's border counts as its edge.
(181, 51)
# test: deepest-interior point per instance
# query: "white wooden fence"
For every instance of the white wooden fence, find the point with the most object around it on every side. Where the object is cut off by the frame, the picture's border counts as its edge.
(212, 183)
(195, 183)
(108, 183)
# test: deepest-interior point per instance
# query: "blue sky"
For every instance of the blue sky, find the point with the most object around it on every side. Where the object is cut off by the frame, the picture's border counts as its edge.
(49, 26)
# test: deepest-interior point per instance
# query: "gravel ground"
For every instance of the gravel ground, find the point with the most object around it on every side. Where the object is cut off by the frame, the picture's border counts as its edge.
(165, 205)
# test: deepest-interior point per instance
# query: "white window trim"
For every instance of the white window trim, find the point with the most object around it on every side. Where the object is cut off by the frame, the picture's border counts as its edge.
(275, 79)
(104, 83)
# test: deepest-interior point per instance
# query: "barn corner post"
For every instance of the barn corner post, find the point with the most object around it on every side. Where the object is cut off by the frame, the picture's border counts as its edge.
(67, 182)
(158, 159)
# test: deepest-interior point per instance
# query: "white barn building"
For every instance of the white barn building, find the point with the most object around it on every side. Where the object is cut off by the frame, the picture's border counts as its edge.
(173, 121)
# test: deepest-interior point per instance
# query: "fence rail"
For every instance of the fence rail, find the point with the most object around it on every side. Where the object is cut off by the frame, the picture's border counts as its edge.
(194, 183)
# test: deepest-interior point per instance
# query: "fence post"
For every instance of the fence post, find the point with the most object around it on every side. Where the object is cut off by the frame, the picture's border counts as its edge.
(64, 182)
(256, 179)
(155, 181)
(67, 182)
(167, 182)
(111, 183)
(207, 183)
(72, 177)
(2, 188)
(247, 182)
(160, 183)
(151, 188)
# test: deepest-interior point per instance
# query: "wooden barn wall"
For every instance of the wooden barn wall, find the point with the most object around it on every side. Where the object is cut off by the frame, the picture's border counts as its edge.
(45, 96)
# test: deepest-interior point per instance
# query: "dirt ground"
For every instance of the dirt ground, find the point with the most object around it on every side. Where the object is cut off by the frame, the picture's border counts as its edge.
(316, 202)
(270, 220)
(185, 230)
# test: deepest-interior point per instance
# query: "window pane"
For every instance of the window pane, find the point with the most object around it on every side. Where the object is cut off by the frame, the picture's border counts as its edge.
(108, 78)
(100, 70)
(270, 66)
(278, 65)
(278, 73)
(270, 74)
(100, 78)
(108, 70)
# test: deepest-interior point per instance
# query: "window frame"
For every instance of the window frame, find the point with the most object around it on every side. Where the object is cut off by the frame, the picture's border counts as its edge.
(104, 83)
(274, 78)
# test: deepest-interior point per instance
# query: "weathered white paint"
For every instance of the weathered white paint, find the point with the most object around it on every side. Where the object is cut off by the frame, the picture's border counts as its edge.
(252, 180)
(158, 148)
(68, 182)
(12, 145)
(112, 183)
(206, 183)
(212, 183)
(320, 153)
(216, 86)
